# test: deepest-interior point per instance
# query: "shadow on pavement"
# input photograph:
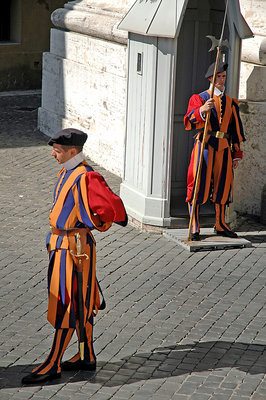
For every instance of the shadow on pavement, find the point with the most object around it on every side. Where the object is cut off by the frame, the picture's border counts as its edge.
(254, 238)
(162, 362)
(18, 119)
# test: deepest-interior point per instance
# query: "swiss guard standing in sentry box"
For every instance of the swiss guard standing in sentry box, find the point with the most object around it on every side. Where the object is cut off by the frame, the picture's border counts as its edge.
(82, 202)
(216, 149)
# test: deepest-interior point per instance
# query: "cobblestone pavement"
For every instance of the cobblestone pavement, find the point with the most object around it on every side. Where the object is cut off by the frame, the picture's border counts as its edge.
(178, 325)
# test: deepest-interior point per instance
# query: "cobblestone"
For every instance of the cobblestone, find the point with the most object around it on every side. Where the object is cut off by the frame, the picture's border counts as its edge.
(178, 326)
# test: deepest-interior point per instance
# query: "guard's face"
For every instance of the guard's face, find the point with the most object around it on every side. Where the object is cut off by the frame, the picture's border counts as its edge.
(220, 80)
(61, 153)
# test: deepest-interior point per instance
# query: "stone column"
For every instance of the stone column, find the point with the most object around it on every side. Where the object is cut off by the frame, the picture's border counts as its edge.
(85, 79)
(250, 176)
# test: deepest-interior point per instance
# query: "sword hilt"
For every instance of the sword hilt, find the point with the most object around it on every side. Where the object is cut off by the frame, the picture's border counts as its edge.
(79, 254)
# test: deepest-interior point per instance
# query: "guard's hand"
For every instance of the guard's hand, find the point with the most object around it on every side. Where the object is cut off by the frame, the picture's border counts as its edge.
(207, 106)
(235, 164)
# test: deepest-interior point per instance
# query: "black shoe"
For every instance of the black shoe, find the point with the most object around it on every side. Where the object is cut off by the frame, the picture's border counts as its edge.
(226, 233)
(195, 237)
(39, 378)
(78, 365)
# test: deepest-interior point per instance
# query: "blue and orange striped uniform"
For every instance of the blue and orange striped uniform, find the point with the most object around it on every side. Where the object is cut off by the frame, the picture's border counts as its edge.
(216, 179)
(79, 194)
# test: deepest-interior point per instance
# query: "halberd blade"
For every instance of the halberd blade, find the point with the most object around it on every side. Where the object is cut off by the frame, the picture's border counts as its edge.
(217, 43)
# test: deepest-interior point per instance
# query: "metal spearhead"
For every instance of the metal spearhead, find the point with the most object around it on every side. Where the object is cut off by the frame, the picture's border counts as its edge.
(218, 43)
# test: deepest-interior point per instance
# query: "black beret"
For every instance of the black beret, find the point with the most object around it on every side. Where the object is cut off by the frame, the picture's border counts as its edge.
(221, 67)
(69, 137)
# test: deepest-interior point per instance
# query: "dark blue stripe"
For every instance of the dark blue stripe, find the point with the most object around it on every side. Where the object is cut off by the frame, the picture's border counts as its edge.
(50, 268)
(83, 213)
(66, 211)
(223, 105)
(63, 275)
(220, 190)
(89, 280)
(203, 175)
(199, 150)
(59, 241)
(205, 95)
(72, 317)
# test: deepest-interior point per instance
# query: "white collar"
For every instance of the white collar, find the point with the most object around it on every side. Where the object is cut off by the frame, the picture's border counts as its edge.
(217, 91)
(73, 162)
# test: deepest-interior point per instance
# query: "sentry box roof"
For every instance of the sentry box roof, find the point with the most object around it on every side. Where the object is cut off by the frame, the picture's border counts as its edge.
(164, 18)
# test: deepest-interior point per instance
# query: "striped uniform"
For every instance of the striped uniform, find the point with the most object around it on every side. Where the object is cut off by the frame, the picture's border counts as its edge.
(78, 195)
(216, 179)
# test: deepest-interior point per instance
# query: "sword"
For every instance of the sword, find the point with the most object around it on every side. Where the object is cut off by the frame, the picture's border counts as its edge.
(79, 255)
(218, 44)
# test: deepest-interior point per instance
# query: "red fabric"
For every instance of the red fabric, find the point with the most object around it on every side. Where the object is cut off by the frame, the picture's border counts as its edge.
(195, 103)
(102, 200)
(190, 178)
(237, 154)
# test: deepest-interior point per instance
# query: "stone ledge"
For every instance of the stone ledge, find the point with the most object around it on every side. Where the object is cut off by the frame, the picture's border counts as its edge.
(93, 22)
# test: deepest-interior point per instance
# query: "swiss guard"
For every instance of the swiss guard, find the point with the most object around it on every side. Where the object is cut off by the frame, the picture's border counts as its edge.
(221, 152)
(83, 202)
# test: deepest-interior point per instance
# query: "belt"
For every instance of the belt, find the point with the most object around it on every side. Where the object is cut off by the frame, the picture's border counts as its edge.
(68, 232)
(219, 135)
(71, 233)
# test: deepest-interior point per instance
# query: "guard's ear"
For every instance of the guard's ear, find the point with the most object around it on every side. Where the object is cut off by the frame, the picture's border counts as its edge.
(73, 151)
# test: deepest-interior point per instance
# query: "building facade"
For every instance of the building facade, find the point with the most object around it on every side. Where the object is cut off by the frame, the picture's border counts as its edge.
(24, 36)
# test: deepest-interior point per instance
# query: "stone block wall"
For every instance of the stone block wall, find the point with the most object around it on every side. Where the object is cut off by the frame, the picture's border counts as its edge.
(84, 86)
(250, 175)
(85, 78)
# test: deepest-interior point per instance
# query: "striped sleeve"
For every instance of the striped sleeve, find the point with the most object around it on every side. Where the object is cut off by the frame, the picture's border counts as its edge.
(235, 128)
(192, 119)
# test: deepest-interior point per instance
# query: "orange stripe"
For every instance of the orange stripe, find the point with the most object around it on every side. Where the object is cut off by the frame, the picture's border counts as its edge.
(55, 354)
(69, 273)
(93, 283)
(217, 217)
(195, 158)
(54, 289)
(218, 104)
(52, 243)
(62, 173)
(228, 180)
(217, 166)
(227, 114)
(66, 342)
(62, 195)
(72, 218)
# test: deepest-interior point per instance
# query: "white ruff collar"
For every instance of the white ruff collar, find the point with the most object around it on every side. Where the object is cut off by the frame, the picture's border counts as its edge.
(73, 162)
(217, 91)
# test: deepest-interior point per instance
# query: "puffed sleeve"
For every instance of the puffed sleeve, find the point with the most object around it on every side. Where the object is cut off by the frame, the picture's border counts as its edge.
(193, 119)
(103, 201)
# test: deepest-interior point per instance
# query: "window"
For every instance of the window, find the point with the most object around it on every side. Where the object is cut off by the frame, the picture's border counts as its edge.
(5, 21)
(10, 21)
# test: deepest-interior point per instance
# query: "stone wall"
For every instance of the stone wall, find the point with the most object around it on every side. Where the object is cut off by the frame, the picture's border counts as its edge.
(250, 176)
(85, 79)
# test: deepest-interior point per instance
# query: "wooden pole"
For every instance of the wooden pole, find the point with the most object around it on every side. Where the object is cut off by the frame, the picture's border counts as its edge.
(196, 186)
